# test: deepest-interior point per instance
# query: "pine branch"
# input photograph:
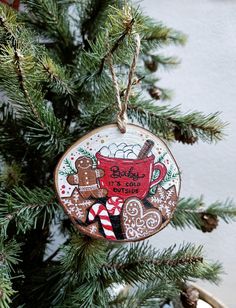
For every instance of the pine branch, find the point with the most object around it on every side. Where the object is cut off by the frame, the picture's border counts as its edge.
(142, 263)
(73, 269)
(11, 132)
(92, 15)
(171, 124)
(161, 157)
(9, 254)
(69, 168)
(6, 290)
(58, 79)
(21, 78)
(88, 267)
(85, 255)
(168, 122)
(154, 62)
(224, 210)
(190, 213)
(170, 175)
(11, 175)
(7, 24)
(109, 39)
(87, 154)
(116, 44)
(165, 94)
(42, 82)
(51, 18)
(28, 208)
(151, 294)
(56, 252)
(167, 62)
(77, 275)
(157, 35)
(19, 63)
(168, 262)
(115, 39)
(88, 294)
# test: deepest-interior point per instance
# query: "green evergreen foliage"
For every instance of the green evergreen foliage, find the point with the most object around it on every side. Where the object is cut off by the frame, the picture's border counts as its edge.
(190, 211)
(55, 86)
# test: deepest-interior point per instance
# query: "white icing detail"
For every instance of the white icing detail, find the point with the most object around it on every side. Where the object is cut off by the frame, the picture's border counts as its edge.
(88, 187)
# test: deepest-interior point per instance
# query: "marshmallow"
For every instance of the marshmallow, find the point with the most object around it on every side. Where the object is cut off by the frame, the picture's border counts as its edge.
(105, 152)
(128, 148)
(122, 150)
(119, 154)
(131, 155)
(121, 146)
(127, 153)
(113, 148)
(136, 149)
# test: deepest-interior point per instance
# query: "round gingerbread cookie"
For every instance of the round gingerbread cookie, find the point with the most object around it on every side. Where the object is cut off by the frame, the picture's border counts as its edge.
(119, 187)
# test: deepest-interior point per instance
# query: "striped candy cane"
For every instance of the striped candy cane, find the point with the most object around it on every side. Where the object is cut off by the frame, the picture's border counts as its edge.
(100, 210)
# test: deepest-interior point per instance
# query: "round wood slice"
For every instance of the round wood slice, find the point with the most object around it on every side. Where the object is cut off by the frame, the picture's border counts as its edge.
(118, 187)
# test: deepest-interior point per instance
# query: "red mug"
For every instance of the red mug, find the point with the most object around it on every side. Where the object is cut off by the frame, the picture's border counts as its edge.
(129, 177)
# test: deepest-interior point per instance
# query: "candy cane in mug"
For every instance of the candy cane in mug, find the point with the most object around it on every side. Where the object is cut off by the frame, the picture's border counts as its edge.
(100, 210)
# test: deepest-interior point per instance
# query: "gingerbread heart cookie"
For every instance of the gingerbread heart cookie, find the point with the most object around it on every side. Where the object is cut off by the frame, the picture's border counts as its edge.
(139, 222)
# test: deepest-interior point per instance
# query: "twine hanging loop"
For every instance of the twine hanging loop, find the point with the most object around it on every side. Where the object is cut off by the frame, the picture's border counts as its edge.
(122, 117)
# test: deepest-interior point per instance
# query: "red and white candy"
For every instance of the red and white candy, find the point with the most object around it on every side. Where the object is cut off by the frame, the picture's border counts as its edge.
(114, 205)
(100, 210)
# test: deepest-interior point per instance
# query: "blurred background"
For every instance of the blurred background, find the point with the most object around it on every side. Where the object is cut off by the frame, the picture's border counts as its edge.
(205, 81)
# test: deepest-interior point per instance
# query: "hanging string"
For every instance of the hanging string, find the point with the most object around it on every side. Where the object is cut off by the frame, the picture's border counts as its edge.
(122, 118)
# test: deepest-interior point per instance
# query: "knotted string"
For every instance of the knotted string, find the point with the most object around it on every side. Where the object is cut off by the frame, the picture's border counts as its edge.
(122, 118)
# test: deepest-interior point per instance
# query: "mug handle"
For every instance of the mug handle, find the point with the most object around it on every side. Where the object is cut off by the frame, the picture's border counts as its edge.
(162, 169)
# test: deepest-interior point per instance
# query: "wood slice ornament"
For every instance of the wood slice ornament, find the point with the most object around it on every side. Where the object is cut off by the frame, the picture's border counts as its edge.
(119, 187)
(119, 182)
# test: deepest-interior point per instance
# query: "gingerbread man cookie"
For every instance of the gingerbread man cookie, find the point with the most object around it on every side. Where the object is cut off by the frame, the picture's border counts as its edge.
(86, 178)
